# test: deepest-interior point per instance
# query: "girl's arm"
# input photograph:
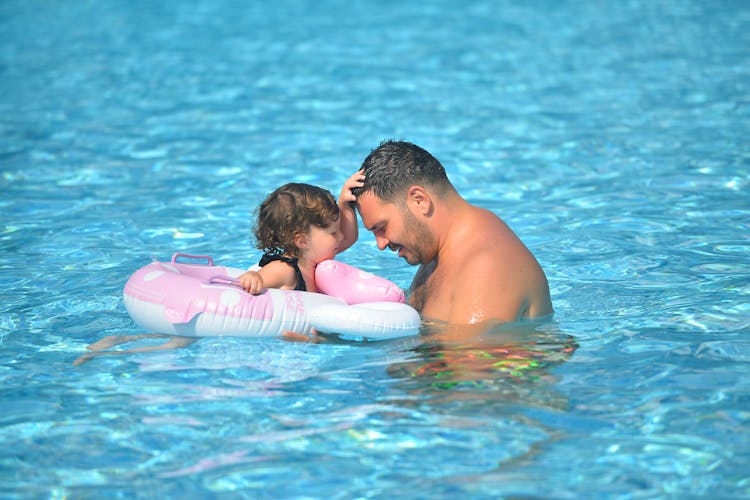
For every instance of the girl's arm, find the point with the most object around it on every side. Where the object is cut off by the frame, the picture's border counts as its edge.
(276, 274)
(347, 212)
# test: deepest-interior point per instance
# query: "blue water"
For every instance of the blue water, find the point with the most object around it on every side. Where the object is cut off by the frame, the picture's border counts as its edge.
(612, 136)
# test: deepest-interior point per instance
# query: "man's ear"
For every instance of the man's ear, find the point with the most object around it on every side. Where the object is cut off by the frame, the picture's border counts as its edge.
(419, 200)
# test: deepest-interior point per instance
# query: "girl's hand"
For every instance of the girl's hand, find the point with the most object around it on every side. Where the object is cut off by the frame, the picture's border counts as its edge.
(252, 282)
(355, 181)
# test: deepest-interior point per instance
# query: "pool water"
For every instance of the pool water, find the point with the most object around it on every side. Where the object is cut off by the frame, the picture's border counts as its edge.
(611, 136)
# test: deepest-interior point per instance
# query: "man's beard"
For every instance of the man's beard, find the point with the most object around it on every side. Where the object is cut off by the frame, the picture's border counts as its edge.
(420, 240)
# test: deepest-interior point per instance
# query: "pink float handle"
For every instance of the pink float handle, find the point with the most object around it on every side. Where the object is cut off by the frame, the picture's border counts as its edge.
(222, 279)
(195, 257)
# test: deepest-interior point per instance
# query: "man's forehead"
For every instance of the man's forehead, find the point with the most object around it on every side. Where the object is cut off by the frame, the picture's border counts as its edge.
(370, 208)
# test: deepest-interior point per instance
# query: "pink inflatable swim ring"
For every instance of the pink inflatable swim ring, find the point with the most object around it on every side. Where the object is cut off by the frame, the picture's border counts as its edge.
(199, 299)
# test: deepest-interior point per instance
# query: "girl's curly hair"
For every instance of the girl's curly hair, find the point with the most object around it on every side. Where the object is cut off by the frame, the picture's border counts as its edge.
(289, 212)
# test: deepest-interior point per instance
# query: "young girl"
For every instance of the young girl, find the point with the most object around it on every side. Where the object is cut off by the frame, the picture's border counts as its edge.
(298, 227)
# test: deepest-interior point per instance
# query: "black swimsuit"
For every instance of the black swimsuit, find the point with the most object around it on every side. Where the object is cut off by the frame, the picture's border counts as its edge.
(292, 262)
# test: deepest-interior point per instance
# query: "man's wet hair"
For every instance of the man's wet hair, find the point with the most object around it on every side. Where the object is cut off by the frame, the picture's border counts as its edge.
(395, 165)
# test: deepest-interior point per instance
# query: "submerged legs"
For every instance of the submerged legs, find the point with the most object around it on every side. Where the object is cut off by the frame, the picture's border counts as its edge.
(97, 348)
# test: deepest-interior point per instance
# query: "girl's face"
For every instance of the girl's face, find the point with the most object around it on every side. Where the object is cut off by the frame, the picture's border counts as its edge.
(322, 243)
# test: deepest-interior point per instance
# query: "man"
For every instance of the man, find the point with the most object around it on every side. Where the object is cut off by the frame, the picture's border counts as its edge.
(473, 269)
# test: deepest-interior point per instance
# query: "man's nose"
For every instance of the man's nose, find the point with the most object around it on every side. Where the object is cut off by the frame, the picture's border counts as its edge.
(382, 242)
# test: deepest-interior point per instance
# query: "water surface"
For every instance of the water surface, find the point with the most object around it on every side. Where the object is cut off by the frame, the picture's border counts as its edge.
(611, 136)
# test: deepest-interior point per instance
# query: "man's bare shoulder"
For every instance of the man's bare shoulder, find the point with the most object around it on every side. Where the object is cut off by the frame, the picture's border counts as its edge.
(498, 272)
(484, 236)
(479, 263)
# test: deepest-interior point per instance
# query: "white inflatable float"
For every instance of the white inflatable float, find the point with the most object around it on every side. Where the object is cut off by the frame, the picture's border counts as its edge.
(197, 299)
